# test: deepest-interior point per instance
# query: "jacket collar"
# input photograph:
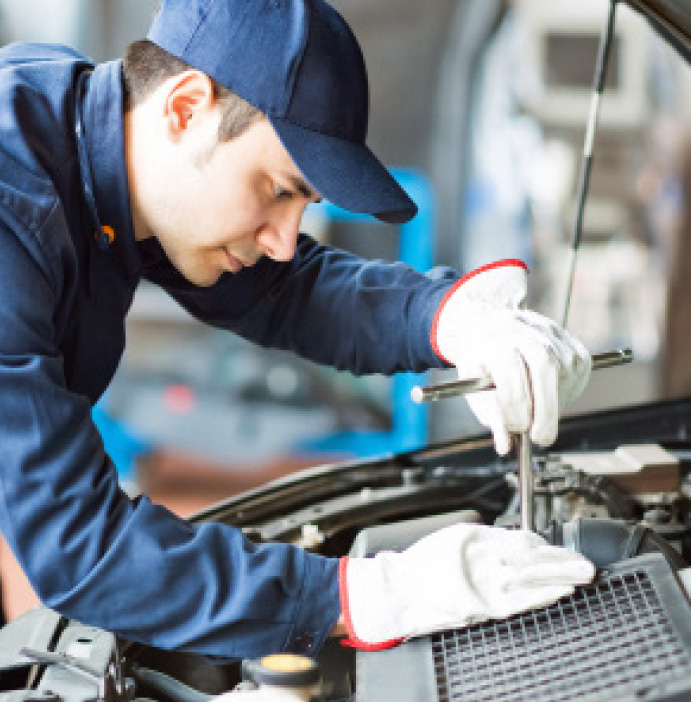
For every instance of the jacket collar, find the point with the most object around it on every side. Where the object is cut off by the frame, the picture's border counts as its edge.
(102, 111)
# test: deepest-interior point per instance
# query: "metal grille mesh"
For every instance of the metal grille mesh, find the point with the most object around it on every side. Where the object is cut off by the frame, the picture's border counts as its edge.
(608, 638)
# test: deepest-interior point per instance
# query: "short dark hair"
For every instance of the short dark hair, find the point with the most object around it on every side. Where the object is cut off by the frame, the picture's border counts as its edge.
(146, 65)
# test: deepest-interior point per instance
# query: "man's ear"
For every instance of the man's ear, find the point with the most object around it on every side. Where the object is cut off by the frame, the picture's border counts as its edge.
(189, 98)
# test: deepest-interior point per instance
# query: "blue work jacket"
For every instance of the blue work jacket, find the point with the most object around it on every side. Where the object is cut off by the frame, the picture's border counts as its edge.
(90, 552)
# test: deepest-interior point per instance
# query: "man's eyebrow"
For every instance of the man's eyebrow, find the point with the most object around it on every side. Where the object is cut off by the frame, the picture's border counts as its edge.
(301, 186)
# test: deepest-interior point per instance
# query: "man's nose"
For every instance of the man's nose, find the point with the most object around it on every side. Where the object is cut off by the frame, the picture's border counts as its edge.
(278, 237)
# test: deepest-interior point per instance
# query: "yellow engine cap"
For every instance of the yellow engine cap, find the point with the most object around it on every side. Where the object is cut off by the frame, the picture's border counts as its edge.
(286, 670)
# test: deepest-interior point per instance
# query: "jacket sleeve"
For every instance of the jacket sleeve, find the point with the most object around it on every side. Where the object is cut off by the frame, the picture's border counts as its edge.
(327, 305)
(93, 554)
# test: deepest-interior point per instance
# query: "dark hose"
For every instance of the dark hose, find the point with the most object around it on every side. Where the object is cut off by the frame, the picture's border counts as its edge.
(170, 687)
(606, 541)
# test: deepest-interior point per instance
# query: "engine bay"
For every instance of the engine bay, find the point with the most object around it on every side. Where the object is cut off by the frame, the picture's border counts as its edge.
(623, 503)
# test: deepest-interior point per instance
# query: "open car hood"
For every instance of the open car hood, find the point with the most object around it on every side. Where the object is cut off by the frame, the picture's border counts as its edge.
(671, 18)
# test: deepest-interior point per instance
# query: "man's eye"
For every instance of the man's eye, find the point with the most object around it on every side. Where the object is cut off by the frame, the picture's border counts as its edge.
(281, 193)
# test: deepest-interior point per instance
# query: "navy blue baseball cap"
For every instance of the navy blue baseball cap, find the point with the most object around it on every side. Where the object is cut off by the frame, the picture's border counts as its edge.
(299, 63)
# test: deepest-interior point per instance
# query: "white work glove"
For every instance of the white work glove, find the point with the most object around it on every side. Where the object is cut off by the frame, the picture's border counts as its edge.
(455, 577)
(482, 328)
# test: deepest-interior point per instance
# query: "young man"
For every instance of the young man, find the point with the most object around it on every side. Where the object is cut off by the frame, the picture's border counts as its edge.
(162, 172)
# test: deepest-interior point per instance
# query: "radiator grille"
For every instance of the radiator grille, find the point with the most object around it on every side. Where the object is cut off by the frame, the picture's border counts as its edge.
(609, 638)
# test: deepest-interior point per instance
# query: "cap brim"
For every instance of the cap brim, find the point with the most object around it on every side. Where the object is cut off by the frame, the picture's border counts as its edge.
(347, 174)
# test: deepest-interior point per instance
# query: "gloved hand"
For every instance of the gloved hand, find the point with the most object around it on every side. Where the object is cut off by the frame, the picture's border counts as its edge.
(481, 327)
(457, 576)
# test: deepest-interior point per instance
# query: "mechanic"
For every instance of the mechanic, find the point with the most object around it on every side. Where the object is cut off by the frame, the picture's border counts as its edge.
(190, 164)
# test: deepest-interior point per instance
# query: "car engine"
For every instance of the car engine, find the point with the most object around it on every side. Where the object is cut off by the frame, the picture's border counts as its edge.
(615, 487)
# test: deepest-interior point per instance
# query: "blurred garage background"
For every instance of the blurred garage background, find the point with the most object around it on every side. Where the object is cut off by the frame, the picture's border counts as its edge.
(480, 107)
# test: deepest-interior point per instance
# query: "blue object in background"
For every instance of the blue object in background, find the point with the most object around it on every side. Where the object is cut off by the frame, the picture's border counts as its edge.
(416, 248)
(121, 444)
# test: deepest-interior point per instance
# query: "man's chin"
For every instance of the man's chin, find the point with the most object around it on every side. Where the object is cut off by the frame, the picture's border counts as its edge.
(205, 280)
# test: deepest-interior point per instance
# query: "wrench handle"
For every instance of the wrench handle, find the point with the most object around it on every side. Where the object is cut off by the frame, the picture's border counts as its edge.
(462, 387)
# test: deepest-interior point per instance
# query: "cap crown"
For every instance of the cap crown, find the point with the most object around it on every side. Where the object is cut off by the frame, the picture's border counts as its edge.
(293, 59)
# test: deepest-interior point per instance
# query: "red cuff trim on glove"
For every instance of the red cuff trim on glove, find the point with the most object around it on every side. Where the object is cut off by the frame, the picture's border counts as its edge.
(497, 264)
(353, 641)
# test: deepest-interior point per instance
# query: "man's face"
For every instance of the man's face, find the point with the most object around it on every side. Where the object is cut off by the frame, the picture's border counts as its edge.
(220, 206)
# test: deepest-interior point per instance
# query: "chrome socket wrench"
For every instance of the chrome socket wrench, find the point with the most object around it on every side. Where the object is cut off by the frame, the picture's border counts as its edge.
(525, 459)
